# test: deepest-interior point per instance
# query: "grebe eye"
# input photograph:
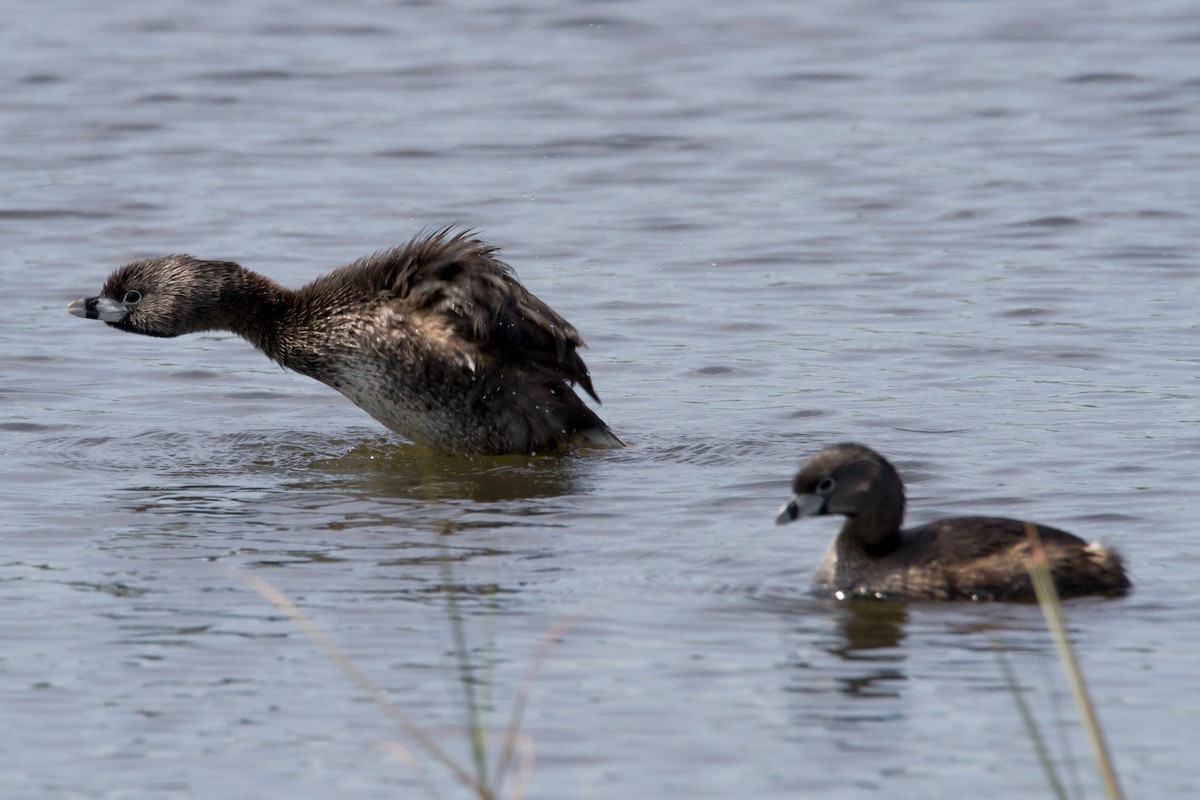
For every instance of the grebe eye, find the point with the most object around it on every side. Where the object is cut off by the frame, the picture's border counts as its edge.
(131, 297)
(826, 485)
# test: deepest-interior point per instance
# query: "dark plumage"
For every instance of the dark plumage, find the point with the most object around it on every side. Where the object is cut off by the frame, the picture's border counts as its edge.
(436, 339)
(963, 558)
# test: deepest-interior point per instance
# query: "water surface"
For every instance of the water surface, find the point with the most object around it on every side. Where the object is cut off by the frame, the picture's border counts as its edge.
(962, 234)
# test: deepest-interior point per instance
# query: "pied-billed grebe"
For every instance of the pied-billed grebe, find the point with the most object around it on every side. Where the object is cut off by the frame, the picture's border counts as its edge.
(436, 339)
(963, 558)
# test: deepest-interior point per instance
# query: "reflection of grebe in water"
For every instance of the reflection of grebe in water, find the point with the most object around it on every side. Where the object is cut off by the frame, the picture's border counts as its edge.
(870, 638)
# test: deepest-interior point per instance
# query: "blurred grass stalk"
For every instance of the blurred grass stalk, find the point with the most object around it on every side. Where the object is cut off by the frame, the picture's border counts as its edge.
(476, 695)
(1048, 601)
(1030, 723)
(517, 746)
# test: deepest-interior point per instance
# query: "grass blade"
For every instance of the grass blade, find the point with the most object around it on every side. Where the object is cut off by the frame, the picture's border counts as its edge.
(1031, 726)
(1047, 596)
(377, 695)
(512, 733)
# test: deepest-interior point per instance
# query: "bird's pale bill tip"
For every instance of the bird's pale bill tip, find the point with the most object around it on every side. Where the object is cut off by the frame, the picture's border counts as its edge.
(788, 512)
(104, 308)
(802, 505)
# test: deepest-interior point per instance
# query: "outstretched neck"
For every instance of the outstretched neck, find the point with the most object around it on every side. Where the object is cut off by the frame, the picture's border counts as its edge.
(252, 306)
(225, 296)
(290, 329)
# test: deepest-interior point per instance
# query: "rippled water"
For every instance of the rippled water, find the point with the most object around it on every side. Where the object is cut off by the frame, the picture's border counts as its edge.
(961, 233)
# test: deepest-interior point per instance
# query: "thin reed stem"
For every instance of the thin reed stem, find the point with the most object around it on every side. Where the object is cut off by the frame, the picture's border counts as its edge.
(512, 731)
(475, 722)
(1031, 726)
(377, 695)
(1047, 595)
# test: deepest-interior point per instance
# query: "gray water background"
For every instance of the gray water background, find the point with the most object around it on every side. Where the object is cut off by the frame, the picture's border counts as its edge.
(960, 232)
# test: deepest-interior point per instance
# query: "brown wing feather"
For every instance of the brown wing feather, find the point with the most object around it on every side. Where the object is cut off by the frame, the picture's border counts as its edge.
(458, 278)
(965, 539)
(986, 557)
